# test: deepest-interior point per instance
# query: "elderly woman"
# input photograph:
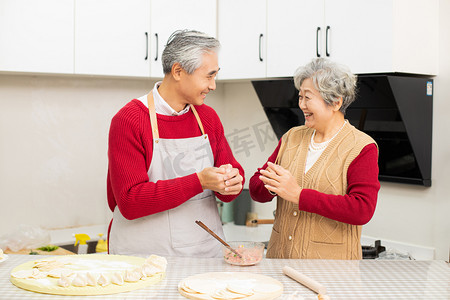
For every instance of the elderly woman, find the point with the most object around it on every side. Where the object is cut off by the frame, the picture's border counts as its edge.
(324, 174)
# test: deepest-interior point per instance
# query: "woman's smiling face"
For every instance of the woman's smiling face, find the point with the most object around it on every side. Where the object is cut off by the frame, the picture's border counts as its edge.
(316, 111)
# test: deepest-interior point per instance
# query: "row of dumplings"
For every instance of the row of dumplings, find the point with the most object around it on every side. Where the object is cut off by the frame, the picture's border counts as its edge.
(92, 279)
(67, 277)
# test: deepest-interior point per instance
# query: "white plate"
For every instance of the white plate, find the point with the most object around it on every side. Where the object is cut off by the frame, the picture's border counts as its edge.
(5, 257)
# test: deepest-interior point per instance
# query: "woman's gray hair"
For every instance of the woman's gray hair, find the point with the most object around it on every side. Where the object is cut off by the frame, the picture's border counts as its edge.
(187, 47)
(332, 80)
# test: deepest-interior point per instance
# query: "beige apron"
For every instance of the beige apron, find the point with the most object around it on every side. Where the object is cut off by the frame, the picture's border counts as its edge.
(172, 232)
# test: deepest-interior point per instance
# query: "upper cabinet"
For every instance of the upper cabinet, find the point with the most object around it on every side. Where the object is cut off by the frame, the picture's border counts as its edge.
(112, 37)
(242, 34)
(36, 36)
(260, 39)
(169, 16)
(382, 36)
(295, 34)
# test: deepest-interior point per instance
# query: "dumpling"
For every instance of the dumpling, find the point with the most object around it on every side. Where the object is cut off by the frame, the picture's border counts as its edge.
(64, 281)
(132, 276)
(91, 279)
(103, 280)
(80, 280)
(148, 270)
(117, 278)
(157, 261)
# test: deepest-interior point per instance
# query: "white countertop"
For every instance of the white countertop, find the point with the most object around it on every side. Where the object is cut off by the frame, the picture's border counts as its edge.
(344, 279)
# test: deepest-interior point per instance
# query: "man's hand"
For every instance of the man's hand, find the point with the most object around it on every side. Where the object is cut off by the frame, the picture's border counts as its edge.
(225, 179)
(281, 182)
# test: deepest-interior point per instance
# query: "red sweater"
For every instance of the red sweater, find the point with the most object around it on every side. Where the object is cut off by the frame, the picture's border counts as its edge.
(130, 153)
(356, 207)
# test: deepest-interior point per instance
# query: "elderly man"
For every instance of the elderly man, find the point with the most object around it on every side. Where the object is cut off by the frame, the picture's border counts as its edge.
(168, 159)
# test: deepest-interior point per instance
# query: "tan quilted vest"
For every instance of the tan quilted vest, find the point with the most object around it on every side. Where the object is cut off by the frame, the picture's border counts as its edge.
(300, 234)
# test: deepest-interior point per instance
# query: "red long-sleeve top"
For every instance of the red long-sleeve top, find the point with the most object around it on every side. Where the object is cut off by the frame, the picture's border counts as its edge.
(130, 151)
(356, 207)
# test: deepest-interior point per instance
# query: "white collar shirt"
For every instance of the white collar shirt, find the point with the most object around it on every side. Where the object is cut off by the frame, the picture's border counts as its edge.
(161, 106)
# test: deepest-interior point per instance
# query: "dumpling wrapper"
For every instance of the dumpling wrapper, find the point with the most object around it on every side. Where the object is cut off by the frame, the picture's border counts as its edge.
(201, 286)
(266, 288)
(224, 294)
(22, 274)
(240, 288)
(56, 273)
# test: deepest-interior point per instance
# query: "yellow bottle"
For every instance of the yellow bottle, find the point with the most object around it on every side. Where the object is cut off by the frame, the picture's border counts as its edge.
(81, 238)
(102, 245)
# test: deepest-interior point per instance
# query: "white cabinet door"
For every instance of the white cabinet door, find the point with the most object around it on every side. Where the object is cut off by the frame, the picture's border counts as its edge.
(36, 36)
(169, 16)
(383, 36)
(242, 34)
(359, 34)
(294, 33)
(111, 37)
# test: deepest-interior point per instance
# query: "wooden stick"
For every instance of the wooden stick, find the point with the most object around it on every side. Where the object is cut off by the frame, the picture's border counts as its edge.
(200, 223)
(263, 221)
(305, 280)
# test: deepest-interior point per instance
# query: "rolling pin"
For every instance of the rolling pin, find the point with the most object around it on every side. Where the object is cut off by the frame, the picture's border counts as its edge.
(305, 280)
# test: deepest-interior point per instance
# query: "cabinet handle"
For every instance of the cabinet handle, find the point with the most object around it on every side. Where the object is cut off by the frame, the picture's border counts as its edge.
(146, 46)
(326, 41)
(156, 36)
(317, 42)
(260, 38)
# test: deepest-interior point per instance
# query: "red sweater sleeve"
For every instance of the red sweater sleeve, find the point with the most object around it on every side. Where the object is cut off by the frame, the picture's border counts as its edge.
(357, 206)
(256, 187)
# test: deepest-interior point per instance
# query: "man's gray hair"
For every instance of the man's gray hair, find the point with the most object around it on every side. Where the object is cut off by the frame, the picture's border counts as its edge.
(187, 47)
(332, 80)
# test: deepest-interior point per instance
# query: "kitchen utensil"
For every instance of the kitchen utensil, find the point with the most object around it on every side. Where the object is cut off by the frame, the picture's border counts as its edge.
(200, 223)
(252, 253)
(305, 280)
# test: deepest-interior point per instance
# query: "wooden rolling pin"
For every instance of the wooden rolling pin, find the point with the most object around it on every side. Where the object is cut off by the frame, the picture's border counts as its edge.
(305, 280)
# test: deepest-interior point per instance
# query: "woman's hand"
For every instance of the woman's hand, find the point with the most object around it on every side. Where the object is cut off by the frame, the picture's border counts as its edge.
(281, 182)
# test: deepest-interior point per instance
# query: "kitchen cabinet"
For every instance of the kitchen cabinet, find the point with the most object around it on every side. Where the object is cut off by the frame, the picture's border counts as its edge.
(36, 36)
(294, 34)
(112, 37)
(368, 36)
(242, 34)
(169, 16)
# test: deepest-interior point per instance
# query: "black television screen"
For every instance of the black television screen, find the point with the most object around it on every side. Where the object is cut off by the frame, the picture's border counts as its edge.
(396, 111)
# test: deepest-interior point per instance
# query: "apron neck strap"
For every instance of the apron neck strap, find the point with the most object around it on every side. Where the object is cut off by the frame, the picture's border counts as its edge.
(152, 112)
(198, 119)
(153, 121)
